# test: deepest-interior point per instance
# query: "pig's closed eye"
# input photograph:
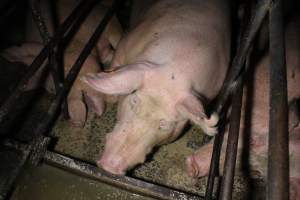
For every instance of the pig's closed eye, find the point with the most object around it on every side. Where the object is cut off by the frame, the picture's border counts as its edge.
(134, 101)
(165, 125)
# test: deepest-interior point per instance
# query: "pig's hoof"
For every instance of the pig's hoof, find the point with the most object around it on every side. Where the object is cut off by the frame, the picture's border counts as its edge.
(211, 131)
(210, 125)
(294, 189)
(194, 168)
(77, 113)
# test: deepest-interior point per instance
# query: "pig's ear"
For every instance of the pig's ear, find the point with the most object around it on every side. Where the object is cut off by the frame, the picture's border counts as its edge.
(119, 82)
(191, 108)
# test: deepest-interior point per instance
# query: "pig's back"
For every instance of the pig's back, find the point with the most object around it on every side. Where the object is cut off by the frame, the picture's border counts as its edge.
(187, 36)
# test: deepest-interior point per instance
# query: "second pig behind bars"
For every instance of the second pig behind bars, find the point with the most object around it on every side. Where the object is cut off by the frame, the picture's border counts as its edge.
(167, 69)
(81, 97)
(254, 123)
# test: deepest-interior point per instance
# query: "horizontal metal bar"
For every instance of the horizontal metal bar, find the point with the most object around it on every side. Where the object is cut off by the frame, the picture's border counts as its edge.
(278, 152)
(123, 182)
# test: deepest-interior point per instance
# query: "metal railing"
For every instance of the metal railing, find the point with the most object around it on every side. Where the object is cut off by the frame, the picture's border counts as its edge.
(278, 141)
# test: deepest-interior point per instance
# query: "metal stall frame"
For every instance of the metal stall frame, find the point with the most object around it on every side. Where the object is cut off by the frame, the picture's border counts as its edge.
(37, 151)
(277, 174)
(278, 153)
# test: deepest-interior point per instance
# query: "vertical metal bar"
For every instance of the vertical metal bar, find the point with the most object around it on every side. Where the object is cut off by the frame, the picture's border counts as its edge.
(71, 77)
(214, 166)
(258, 14)
(278, 152)
(232, 143)
(11, 101)
(56, 73)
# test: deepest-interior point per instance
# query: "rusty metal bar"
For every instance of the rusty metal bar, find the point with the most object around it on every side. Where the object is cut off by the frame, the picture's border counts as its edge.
(232, 144)
(11, 101)
(123, 182)
(278, 152)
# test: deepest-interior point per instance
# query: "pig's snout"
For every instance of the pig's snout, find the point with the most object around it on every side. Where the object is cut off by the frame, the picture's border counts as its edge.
(113, 164)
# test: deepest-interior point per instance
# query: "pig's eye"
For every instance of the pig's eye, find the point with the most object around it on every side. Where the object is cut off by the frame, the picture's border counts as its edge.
(134, 101)
(165, 125)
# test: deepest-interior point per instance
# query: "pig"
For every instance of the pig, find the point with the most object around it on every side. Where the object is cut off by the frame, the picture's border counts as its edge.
(107, 43)
(166, 70)
(255, 119)
(80, 95)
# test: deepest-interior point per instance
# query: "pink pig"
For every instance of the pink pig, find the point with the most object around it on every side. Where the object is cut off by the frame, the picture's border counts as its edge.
(81, 96)
(198, 163)
(171, 63)
(107, 43)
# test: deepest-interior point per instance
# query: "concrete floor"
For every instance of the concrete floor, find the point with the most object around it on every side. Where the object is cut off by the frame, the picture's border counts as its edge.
(164, 166)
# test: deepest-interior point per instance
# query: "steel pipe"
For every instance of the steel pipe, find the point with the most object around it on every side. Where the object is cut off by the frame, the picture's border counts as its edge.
(123, 182)
(74, 71)
(278, 149)
(56, 73)
(19, 153)
(258, 13)
(11, 101)
(232, 144)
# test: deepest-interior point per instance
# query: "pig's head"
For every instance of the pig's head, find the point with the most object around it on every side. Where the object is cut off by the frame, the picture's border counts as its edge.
(144, 120)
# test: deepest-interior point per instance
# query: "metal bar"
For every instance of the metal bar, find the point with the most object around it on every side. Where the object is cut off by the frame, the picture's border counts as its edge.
(71, 77)
(39, 20)
(7, 182)
(259, 12)
(232, 144)
(11, 101)
(278, 152)
(56, 73)
(214, 165)
(123, 182)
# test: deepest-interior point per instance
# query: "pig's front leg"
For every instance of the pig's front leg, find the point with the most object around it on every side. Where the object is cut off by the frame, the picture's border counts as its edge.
(191, 107)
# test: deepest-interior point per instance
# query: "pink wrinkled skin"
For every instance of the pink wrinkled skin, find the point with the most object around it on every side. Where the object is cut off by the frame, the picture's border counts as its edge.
(256, 120)
(172, 62)
(81, 98)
